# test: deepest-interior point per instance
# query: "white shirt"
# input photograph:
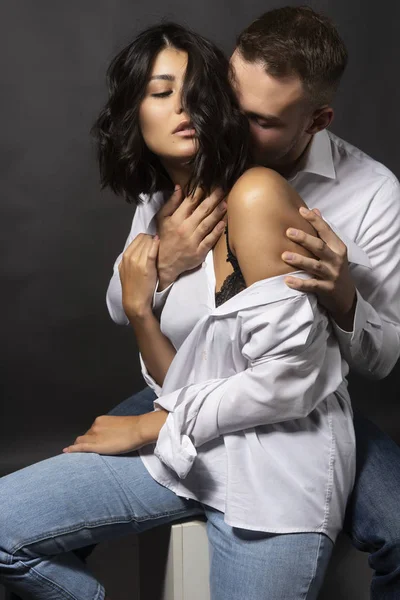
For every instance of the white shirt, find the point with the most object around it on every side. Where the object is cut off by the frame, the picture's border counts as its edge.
(260, 424)
(292, 469)
(361, 199)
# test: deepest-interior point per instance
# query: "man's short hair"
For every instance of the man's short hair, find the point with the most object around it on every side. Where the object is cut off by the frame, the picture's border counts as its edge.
(297, 41)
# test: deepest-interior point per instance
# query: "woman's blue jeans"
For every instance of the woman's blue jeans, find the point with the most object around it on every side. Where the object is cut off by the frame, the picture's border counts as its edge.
(372, 520)
(73, 500)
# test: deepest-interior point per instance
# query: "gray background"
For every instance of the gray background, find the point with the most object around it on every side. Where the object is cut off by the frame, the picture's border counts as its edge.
(63, 361)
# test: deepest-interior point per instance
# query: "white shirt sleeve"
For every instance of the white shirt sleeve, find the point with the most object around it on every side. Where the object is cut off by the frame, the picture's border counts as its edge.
(373, 347)
(287, 353)
(114, 292)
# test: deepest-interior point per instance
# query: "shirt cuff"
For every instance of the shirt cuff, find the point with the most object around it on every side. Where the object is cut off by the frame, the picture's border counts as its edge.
(148, 378)
(175, 450)
(360, 319)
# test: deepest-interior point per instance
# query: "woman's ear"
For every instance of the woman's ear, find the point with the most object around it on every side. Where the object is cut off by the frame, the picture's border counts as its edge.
(321, 119)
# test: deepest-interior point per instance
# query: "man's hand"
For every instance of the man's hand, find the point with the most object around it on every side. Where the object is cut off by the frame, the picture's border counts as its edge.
(188, 228)
(119, 435)
(332, 281)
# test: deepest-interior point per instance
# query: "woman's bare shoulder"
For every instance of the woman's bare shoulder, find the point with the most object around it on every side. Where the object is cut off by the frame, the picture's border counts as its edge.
(263, 188)
(261, 207)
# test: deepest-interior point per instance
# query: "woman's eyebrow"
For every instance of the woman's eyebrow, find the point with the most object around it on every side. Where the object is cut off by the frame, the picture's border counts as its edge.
(164, 77)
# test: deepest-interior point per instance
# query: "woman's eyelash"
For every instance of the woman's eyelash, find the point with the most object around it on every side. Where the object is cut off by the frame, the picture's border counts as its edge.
(162, 94)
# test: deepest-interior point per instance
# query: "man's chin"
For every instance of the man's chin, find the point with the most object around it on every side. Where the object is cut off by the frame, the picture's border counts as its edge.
(271, 162)
(280, 164)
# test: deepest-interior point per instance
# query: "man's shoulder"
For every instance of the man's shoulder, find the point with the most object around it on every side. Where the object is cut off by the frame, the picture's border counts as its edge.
(353, 162)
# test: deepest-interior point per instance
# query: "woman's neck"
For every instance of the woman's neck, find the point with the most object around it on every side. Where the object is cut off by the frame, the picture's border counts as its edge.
(179, 174)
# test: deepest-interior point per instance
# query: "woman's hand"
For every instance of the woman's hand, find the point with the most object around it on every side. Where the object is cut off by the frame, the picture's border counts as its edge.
(138, 274)
(119, 435)
(332, 281)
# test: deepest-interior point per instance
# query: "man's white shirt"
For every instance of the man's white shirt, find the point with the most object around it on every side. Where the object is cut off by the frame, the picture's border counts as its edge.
(360, 198)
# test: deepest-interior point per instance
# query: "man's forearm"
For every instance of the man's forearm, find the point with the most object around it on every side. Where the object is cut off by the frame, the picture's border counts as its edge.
(165, 278)
(346, 320)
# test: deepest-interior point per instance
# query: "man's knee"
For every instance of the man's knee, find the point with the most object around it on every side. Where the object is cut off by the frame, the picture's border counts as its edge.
(138, 404)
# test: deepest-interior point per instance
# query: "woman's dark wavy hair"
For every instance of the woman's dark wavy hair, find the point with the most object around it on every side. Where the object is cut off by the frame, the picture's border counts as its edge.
(127, 166)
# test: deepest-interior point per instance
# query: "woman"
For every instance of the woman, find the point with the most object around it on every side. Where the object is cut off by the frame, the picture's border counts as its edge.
(253, 426)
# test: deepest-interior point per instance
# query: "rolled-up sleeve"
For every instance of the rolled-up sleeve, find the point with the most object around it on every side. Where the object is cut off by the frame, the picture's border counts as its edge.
(372, 348)
(286, 347)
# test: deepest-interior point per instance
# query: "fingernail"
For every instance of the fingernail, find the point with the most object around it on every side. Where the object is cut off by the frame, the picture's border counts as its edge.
(289, 282)
(177, 187)
(223, 205)
(304, 211)
(292, 232)
(287, 256)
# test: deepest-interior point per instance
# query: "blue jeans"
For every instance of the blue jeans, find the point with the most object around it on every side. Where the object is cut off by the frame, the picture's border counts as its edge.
(372, 519)
(72, 500)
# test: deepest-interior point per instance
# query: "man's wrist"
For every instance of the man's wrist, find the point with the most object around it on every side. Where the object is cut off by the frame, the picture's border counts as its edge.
(165, 278)
(346, 320)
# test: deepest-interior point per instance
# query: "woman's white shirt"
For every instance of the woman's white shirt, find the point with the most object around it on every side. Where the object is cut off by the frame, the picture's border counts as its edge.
(261, 424)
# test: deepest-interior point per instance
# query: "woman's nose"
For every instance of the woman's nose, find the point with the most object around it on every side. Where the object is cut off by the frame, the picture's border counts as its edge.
(178, 107)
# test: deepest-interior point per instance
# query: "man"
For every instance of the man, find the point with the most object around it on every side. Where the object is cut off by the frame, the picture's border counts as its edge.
(286, 68)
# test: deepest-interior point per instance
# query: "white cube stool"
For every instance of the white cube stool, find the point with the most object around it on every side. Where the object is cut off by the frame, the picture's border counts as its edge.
(187, 568)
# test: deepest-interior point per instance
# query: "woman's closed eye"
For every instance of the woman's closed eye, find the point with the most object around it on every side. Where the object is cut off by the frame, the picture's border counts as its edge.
(162, 94)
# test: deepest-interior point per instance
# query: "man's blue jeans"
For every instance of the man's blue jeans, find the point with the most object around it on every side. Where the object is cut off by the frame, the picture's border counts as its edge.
(373, 514)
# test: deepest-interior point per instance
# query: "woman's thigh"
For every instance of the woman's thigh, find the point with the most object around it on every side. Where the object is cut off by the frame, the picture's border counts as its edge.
(261, 566)
(76, 499)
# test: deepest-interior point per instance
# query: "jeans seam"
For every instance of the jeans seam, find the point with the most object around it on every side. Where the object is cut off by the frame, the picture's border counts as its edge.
(145, 518)
(67, 530)
(362, 546)
(39, 577)
(314, 571)
(100, 593)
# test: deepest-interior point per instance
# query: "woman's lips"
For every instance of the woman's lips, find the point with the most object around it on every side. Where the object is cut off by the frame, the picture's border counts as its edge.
(186, 132)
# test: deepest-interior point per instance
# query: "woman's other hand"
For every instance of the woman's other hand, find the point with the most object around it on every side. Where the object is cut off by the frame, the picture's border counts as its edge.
(119, 435)
(138, 274)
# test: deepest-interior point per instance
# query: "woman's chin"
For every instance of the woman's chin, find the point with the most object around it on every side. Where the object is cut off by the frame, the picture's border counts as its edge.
(182, 155)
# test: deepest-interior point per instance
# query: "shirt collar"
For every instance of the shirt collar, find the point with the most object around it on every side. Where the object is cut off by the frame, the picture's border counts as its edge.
(318, 157)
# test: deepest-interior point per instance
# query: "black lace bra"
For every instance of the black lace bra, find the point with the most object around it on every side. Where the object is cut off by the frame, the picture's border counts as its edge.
(235, 282)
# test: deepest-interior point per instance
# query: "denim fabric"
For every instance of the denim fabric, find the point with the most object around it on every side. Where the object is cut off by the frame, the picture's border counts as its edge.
(372, 520)
(72, 500)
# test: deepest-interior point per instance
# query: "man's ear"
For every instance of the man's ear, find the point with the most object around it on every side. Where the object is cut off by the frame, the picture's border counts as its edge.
(321, 119)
